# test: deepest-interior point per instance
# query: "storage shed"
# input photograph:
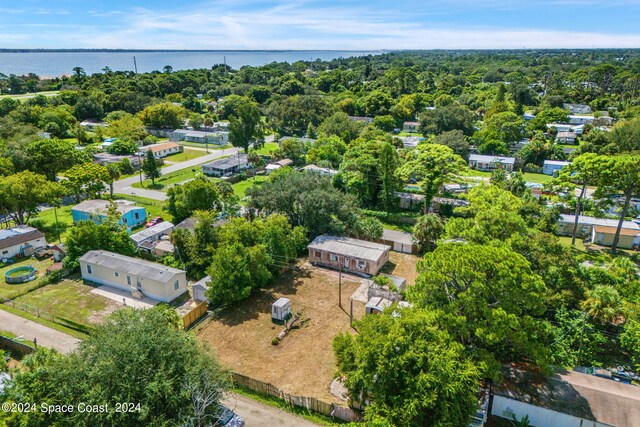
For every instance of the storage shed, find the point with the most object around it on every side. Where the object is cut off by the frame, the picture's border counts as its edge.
(376, 305)
(280, 309)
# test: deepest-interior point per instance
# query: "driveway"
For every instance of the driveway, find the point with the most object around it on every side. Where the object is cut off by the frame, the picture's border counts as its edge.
(29, 330)
(125, 186)
(257, 414)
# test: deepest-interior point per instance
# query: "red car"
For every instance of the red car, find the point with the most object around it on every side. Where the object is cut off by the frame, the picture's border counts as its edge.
(154, 221)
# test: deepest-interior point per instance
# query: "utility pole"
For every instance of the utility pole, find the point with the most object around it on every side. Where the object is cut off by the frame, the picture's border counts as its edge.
(55, 213)
(340, 288)
(140, 166)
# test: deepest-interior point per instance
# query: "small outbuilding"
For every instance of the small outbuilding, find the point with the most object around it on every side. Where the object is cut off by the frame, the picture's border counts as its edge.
(200, 288)
(281, 309)
(376, 305)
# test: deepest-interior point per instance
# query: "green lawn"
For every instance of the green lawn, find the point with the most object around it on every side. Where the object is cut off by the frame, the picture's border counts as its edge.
(7, 290)
(240, 188)
(169, 179)
(267, 148)
(537, 177)
(154, 207)
(69, 299)
(212, 147)
(187, 154)
(45, 221)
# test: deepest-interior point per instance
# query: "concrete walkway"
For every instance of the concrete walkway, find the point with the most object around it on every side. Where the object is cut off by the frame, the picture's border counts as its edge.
(125, 186)
(257, 414)
(29, 330)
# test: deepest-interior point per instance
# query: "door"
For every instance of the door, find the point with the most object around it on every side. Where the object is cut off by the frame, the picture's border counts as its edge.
(347, 262)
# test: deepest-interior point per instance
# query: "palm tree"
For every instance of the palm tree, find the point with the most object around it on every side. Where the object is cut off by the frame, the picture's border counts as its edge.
(78, 72)
(603, 303)
(522, 422)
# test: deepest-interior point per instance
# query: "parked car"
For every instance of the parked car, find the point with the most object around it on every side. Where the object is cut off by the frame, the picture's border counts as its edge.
(226, 417)
(154, 221)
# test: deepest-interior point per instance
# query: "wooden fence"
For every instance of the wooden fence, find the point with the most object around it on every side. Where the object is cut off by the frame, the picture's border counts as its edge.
(16, 348)
(192, 316)
(311, 403)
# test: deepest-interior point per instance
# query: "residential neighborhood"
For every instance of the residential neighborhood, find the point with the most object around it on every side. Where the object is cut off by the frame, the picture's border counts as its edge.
(405, 238)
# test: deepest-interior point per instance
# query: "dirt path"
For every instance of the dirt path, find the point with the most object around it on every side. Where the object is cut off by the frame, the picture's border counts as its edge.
(29, 330)
(256, 414)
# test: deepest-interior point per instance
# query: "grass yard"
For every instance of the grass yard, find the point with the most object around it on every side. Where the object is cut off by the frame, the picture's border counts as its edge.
(70, 299)
(241, 336)
(212, 147)
(7, 290)
(187, 154)
(240, 188)
(154, 207)
(165, 181)
(45, 221)
(537, 177)
(268, 148)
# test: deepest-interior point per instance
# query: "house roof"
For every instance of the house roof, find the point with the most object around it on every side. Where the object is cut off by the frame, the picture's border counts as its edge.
(556, 163)
(18, 235)
(133, 266)
(202, 283)
(379, 303)
(318, 169)
(612, 230)
(350, 247)
(100, 207)
(410, 196)
(397, 236)
(159, 147)
(492, 159)
(566, 134)
(147, 233)
(450, 201)
(361, 119)
(227, 162)
(588, 220)
(411, 124)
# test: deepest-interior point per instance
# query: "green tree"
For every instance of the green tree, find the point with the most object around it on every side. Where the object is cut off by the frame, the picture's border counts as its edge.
(126, 127)
(87, 235)
(327, 151)
(87, 178)
(150, 167)
(630, 340)
(164, 115)
(408, 369)
(245, 125)
(368, 228)
(490, 300)
(427, 231)
(447, 118)
(604, 304)
(88, 107)
(24, 192)
(200, 194)
(455, 140)
(52, 156)
(115, 172)
(181, 383)
(339, 124)
(433, 166)
(123, 147)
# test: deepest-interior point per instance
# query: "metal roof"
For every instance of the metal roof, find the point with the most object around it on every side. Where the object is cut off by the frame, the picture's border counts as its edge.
(101, 207)
(227, 162)
(349, 247)
(148, 233)
(18, 235)
(282, 302)
(588, 220)
(202, 283)
(129, 265)
(397, 236)
(556, 163)
(492, 159)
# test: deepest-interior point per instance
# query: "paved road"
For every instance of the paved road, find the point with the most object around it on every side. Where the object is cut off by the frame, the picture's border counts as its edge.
(257, 414)
(29, 330)
(125, 186)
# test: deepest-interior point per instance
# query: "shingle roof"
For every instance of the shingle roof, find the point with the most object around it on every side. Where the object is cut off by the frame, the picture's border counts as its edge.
(350, 247)
(159, 147)
(133, 266)
(18, 235)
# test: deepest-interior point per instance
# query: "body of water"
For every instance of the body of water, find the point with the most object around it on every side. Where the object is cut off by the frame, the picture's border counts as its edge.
(53, 64)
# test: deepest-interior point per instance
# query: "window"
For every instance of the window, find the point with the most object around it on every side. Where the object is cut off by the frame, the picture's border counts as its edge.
(128, 280)
(89, 270)
(176, 285)
(5, 252)
(136, 215)
(318, 254)
(362, 265)
(115, 273)
(333, 257)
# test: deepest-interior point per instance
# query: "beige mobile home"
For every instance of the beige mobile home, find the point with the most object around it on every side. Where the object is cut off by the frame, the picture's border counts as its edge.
(153, 280)
(352, 255)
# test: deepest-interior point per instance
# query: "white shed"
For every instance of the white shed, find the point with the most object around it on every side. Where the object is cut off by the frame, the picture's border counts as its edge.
(376, 305)
(280, 309)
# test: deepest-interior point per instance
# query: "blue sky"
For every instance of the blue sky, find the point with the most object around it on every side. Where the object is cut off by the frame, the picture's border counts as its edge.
(347, 24)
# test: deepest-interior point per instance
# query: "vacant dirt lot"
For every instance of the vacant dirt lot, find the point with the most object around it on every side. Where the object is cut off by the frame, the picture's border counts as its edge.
(303, 363)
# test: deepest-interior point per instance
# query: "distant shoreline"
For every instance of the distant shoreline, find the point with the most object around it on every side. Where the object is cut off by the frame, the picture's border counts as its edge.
(14, 50)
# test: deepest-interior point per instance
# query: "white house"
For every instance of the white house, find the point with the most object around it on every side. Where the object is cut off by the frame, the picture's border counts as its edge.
(152, 234)
(226, 166)
(163, 150)
(480, 162)
(587, 223)
(550, 167)
(580, 120)
(140, 277)
(200, 288)
(277, 165)
(321, 171)
(20, 241)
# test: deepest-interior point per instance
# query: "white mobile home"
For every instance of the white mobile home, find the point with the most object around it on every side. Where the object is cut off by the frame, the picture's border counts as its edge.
(150, 279)
(20, 241)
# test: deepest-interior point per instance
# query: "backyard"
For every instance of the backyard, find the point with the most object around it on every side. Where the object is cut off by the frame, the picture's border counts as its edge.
(268, 148)
(241, 336)
(402, 265)
(7, 290)
(70, 299)
(240, 188)
(167, 180)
